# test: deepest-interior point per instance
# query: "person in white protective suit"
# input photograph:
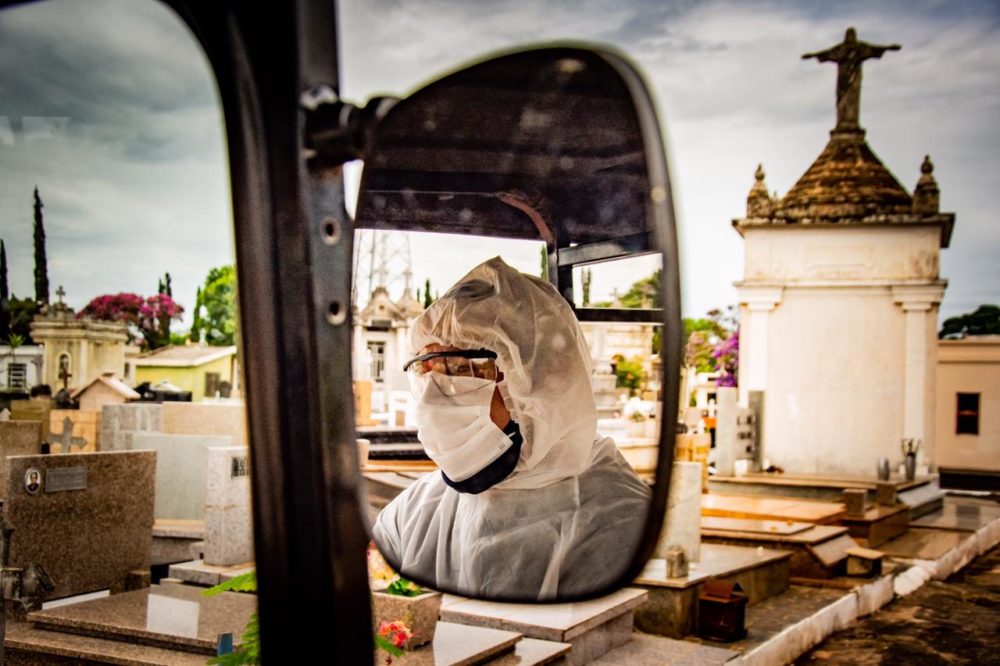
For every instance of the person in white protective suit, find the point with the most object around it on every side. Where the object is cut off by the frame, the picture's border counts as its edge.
(529, 503)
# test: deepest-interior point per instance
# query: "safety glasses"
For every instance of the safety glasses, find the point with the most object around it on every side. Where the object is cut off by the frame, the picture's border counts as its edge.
(479, 363)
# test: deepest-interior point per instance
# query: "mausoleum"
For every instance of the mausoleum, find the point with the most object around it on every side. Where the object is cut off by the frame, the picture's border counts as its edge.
(839, 300)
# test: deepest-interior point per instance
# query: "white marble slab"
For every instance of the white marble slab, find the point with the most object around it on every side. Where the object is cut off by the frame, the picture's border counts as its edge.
(552, 622)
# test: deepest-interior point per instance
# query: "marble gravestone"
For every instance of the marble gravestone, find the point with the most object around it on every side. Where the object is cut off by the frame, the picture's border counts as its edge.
(86, 518)
(682, 526)
(17, 438)
(228, 517)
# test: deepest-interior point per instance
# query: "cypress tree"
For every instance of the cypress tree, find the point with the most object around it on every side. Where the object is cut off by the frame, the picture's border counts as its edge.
(41, 261)
(4, 295)
(427, 293)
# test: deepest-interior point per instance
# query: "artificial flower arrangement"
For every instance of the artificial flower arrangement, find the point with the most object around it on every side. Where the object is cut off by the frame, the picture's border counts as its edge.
(391, 636)
(404, 612)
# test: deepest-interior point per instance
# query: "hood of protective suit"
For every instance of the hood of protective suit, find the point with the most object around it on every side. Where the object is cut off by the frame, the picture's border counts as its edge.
(542, 354)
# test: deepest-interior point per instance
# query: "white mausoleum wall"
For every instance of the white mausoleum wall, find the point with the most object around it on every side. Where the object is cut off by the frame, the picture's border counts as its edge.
(838, 327)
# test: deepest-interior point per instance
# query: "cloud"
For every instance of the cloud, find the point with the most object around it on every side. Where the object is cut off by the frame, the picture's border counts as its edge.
(109, 106)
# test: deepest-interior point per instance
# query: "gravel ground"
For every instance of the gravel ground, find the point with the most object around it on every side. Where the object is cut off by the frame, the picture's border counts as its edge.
(956, 621)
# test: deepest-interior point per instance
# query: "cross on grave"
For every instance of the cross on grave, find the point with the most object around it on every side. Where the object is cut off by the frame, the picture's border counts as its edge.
(66, 440)
(60, 293)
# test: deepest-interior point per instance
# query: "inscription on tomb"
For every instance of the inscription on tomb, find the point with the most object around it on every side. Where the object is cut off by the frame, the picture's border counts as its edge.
(59, 479)
(240, 466)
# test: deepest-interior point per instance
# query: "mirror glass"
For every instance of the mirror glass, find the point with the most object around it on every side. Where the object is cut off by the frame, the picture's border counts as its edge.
(508, 285)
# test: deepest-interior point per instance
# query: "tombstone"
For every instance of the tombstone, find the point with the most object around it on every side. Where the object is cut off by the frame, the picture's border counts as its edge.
(85, 425)
(119, 422)
(682, 526)
(206, 418)
(85, 519)
(180, 471)
(228, 517)
(66, 440)
(855, 501)
(17, 438)
(4, 414)
(35, 409)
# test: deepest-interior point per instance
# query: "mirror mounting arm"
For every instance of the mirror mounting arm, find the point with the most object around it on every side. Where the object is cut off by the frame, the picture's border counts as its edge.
(338, 131)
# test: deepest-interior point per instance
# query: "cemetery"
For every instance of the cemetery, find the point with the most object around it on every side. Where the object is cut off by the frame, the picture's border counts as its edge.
(784, 524)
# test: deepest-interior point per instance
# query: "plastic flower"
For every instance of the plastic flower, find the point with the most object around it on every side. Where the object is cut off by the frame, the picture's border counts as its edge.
(396, 632)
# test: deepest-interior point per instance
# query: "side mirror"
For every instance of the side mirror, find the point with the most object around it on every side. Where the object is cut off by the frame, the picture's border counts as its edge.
(562, 146)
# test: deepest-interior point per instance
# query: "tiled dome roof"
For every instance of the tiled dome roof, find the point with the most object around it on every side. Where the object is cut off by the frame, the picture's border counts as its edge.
(846, 182)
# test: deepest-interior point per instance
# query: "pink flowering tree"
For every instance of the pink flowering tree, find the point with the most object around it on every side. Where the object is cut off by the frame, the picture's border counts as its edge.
(727, 359)
(148, 319)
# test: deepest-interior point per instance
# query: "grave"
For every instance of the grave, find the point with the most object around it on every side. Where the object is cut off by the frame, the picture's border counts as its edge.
(817, 551)
(162, 624)
(34, 409)
(672, 606)
(206, 418)
(65, 441)
(17, 438)
(180, 471)
(681, 524)
(228, 543)
(771, 508)
(878, 524)
(591, 627)
(86, 426)
(84, 519)
(923, 494)
(119, 422)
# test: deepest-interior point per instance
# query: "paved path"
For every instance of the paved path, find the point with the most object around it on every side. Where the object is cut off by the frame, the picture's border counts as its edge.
(956, 621)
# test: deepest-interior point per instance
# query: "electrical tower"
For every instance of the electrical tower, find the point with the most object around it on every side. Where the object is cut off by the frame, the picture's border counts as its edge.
(381, 259)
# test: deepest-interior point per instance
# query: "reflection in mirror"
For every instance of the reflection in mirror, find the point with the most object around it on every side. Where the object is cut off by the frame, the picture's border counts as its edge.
(120, 325)
(506, 365)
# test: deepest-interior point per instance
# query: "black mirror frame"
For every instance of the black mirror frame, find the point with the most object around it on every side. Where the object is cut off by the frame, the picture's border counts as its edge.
(662, 226)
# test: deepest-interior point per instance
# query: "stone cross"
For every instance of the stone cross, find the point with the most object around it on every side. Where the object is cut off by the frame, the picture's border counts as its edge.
(60, 293)
(66, 440)
(849, 55)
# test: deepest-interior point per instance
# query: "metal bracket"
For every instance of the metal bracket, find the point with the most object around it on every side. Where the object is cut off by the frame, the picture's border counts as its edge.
(336, 131)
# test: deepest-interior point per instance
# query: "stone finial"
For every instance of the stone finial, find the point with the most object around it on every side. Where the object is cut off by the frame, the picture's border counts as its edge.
(759, 202)
(926, 197)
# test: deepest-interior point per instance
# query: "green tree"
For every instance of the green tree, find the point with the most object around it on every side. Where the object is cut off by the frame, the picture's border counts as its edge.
(215, 307)
(629, 373)
(4, 295)
(427, 293)
(164, 286)
(41, 260)
(645, 293)
(544, 252)
(985, 320)
(22, 313)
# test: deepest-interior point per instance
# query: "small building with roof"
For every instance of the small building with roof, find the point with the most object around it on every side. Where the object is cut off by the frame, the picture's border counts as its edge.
(203, 370)
(839, 302)
(105, 389)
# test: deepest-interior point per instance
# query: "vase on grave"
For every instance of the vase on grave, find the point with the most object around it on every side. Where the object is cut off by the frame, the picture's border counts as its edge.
(910, 465)
(419, 613)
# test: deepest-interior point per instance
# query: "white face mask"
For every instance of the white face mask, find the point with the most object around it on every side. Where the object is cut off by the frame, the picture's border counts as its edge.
(453, 423)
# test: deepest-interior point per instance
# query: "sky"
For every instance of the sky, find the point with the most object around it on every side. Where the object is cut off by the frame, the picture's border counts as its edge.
(108, 106)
